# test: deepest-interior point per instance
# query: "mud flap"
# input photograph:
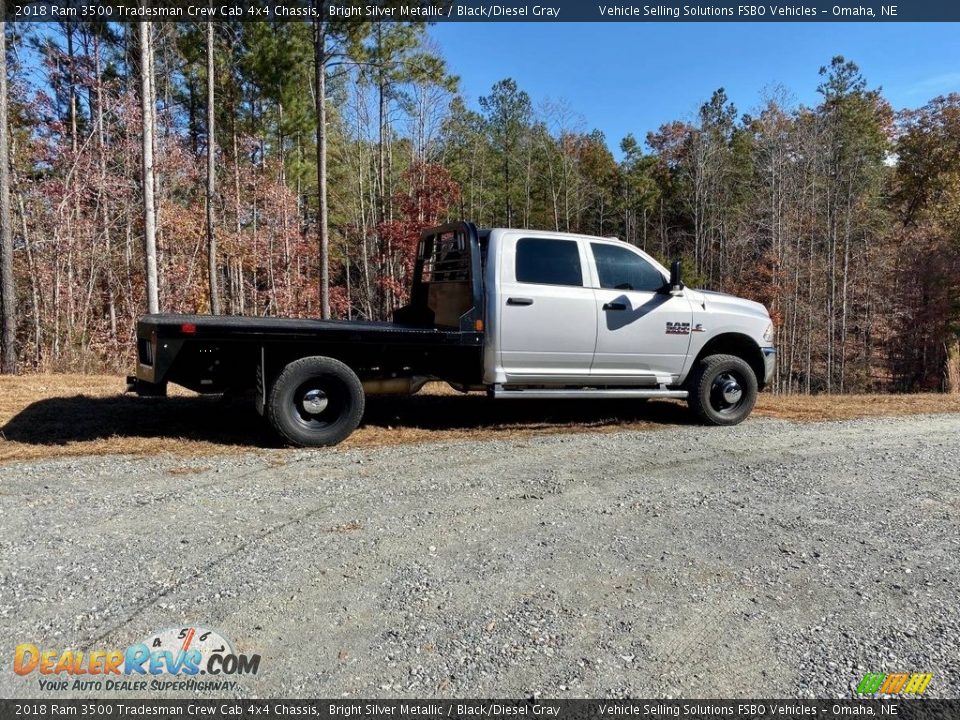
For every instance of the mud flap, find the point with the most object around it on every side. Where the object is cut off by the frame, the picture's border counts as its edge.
(261, 399)
(145, 389)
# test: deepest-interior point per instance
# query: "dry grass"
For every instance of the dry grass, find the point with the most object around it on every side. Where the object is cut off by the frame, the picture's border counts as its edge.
(846, 407)
(44, 416)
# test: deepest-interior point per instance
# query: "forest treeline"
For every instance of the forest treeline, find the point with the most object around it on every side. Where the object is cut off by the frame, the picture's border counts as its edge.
(287, 169)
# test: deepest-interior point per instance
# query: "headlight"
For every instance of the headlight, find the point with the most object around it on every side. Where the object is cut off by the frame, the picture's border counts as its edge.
(768, 334)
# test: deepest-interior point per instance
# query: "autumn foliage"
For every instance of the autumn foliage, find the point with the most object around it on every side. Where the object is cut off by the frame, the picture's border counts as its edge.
(426, 202)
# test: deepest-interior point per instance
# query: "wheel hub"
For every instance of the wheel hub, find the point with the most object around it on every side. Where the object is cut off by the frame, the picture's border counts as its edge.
(315, 401)
(731, 391)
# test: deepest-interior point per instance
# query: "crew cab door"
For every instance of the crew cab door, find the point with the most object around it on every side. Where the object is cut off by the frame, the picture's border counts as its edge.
(642, 334)
(548, 317)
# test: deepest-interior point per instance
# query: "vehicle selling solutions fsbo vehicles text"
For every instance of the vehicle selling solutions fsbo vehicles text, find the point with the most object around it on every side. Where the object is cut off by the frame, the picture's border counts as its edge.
(670, 11)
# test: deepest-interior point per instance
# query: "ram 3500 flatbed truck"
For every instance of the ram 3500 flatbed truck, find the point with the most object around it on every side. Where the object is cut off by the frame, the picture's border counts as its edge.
(516, 313)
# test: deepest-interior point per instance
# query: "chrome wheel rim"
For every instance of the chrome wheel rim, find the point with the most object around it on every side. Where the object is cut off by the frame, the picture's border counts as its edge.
(726, 392)
(315, 401)
(320, 402)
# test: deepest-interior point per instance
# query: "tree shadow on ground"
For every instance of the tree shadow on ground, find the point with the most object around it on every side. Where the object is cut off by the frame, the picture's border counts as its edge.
(61, 420)
(234, 421)
(481, 413)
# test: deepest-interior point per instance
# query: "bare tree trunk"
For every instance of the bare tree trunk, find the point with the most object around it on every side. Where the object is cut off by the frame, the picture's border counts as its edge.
(72, 83)
(211, 179)
(843, 294)
(284, 211)
(102, 202)
(506, 182)
(149, 212)
(34, 290)
(8, 363)
(383, 197)
(528, 184)
(381, 213)
(320, 70)
(237, 302)
(953, 367)
(236, 183)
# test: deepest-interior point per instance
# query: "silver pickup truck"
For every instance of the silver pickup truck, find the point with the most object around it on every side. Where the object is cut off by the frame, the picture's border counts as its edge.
(515, 313)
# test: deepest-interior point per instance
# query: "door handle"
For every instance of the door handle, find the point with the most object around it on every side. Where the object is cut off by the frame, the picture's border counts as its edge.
(519, 301)
(614, 306)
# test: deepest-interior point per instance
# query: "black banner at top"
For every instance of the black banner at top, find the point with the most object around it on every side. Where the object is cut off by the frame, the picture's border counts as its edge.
(484, 11)
(532, 709)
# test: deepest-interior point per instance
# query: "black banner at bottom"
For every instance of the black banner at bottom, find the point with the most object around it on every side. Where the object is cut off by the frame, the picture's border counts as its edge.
(913, 709)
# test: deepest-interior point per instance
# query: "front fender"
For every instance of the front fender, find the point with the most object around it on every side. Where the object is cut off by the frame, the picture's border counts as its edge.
(730, 339)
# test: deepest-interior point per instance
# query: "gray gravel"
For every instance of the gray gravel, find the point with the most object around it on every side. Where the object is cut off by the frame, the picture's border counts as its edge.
(770, 559)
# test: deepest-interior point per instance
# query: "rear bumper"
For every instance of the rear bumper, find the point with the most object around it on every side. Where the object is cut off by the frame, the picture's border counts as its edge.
(769, 360)
(155, 357)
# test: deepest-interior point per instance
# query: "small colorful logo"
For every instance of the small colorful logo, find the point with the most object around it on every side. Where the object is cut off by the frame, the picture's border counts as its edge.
(900, 683)
(174, 651)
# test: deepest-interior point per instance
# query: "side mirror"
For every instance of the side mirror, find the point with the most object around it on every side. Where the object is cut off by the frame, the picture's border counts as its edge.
(676, 284)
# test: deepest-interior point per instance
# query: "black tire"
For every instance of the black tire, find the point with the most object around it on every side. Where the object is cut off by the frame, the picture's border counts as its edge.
(723, 390)
(315, 401)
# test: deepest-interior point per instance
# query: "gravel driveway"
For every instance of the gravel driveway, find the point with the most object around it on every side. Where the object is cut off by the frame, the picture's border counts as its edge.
(770, 559)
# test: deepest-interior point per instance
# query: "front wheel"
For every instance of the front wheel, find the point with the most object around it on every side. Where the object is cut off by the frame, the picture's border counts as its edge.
(723, 390)
(315, 401)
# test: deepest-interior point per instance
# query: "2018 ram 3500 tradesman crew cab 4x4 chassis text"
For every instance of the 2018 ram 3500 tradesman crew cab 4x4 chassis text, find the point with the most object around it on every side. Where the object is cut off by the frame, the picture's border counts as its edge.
(518, 313)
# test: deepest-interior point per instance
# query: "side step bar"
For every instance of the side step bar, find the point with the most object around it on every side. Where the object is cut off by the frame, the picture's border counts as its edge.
(593, 393)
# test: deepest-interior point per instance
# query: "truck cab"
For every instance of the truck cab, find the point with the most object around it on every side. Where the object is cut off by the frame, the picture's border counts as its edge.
(567, 309)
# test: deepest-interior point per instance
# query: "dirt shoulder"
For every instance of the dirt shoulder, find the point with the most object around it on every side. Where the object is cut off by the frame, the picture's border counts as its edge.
(47, 416)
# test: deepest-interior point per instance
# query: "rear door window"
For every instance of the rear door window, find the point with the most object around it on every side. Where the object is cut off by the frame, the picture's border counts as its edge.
(549, 262)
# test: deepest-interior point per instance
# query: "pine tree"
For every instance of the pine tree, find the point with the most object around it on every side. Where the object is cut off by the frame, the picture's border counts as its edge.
(508, 110)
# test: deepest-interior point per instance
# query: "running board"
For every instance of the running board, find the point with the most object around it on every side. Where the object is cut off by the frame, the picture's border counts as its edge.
(594, 393)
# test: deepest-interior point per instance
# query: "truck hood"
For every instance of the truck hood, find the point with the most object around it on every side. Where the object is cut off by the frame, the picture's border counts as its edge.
(721, 302)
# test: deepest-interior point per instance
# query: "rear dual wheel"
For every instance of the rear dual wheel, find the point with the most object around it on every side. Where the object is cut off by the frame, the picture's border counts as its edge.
(315, 401)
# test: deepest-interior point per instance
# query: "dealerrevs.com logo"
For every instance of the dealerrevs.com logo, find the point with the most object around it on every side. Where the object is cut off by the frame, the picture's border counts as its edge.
(171, 659)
